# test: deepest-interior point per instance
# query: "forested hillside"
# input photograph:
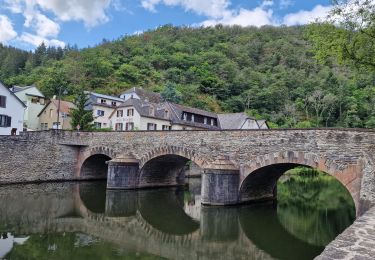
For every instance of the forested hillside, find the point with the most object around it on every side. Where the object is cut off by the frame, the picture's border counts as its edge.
(270, 72)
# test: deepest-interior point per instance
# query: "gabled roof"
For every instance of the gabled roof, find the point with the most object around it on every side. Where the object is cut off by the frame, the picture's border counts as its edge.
(106, 96)
(233, 120)
(16, 89)
(65, 106)
(2, 85)
(144, 94)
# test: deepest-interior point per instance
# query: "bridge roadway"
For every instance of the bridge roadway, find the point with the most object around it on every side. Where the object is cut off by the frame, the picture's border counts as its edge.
(239, 166)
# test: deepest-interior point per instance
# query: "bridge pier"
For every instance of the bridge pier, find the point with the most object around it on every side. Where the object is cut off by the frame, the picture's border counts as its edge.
(220, 182)
(123, 173)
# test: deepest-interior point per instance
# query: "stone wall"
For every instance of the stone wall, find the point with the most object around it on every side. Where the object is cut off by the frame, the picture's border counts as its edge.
(356, 242)
(58, 155)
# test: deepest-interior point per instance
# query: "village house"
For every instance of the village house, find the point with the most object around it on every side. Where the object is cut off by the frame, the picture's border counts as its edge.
(49, 119)
(102, 107)
(34, 101)
(240, 121)
(11, 112)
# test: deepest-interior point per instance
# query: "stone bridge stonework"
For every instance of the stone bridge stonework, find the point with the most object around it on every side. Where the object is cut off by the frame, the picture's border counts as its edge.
(239, 166)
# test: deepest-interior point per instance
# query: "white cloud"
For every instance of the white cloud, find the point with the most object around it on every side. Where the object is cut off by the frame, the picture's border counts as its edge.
(37, 40)
(91, 12)
(209, 8)
(7, 32)
(41, 24)
(305, 17)
(244, 17)
(286, 3)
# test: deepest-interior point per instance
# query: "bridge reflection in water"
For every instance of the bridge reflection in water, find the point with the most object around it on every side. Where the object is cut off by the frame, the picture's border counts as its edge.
(169, 223)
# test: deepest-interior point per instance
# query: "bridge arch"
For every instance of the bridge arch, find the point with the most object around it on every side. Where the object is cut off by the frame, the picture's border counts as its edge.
(259, 179)
(165, 166)
(92, 163)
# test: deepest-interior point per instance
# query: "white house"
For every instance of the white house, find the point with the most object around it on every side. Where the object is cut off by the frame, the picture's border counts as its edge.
(11, 112)
(34, 101)
(102, 106)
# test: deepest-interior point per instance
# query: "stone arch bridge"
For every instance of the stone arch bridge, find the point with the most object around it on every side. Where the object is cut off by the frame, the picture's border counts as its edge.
(239, 166)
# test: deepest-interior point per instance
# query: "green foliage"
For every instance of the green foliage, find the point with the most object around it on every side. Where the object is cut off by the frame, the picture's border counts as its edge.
(170, 93)
(269, 71)
(80, 115)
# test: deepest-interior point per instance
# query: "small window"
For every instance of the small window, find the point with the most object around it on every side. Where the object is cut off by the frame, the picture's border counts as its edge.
(166, 127)
(166, 114)
(51, 113)
(3, 101)
(64, 115)
(151, 126)
(5, 121)
(56, 125)
(130, 112)
(120, 113)
(114, 103)
(100, 113)
(151, 111)
(184, 116)
(118, 127)
(205, 121)
(103, 101)
(129, 126)
(98, 125)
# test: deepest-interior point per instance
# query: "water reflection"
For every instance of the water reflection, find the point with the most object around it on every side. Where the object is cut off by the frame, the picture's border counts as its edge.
(84, 220)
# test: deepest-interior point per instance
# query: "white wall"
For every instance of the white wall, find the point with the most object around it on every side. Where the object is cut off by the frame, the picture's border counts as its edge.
(104, 120)
(14, 109)
(32, 109)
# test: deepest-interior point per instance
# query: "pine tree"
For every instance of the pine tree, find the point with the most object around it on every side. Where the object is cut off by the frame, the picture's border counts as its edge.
(80, 115)
(170, 93)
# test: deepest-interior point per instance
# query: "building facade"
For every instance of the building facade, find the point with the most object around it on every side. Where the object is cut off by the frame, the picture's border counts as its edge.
(102, 107)
(11, 112)
(49, 119)
(34, 101)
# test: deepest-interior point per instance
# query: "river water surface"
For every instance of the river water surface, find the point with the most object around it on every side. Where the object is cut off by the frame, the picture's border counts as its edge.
(85, 221)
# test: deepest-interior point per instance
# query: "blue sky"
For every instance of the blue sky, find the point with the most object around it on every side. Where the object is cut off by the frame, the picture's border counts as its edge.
(27, 23)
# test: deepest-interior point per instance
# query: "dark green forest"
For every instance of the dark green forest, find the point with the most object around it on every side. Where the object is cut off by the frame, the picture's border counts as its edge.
(269, 72)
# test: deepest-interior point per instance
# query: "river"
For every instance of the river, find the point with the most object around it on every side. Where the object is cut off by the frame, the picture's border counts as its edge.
(86, 221)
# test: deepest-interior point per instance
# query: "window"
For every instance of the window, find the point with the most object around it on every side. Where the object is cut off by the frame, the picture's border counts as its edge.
(120, 113)
(64, 115)
(5, 121)
(118, 127)
(166, 113)
(205, 121)
(151, 126)
(130, 112)
(166, 127)
(100, 113)
(114, 103)
(103, 101)
(34, 100)
(51, 113)
(97, 125)
(184, 116)
(3, 101)
(129, 126)
(151, 111)
(44, 126)
(56, 125)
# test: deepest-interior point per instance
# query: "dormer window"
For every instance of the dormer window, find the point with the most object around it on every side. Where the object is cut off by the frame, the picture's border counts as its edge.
(114, 103)
(205, 121)
(103, 101)
(166, 114)
(184, 116)
(151, 111)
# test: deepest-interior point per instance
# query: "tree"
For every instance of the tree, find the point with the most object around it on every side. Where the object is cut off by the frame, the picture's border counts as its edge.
(80, 115)
(348, 34)
(170, 93)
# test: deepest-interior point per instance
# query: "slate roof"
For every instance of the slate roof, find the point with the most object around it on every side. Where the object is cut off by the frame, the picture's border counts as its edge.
(145, 95)
(232, 120)
(16, 89)
(106, 97)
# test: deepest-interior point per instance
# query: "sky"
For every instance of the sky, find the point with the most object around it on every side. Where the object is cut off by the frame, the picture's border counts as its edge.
(27, 23)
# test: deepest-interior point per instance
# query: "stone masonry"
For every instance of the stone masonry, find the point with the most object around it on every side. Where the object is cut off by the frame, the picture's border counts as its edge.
(234, 162)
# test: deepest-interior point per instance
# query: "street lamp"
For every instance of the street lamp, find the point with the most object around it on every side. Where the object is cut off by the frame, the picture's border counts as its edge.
(58, 106)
